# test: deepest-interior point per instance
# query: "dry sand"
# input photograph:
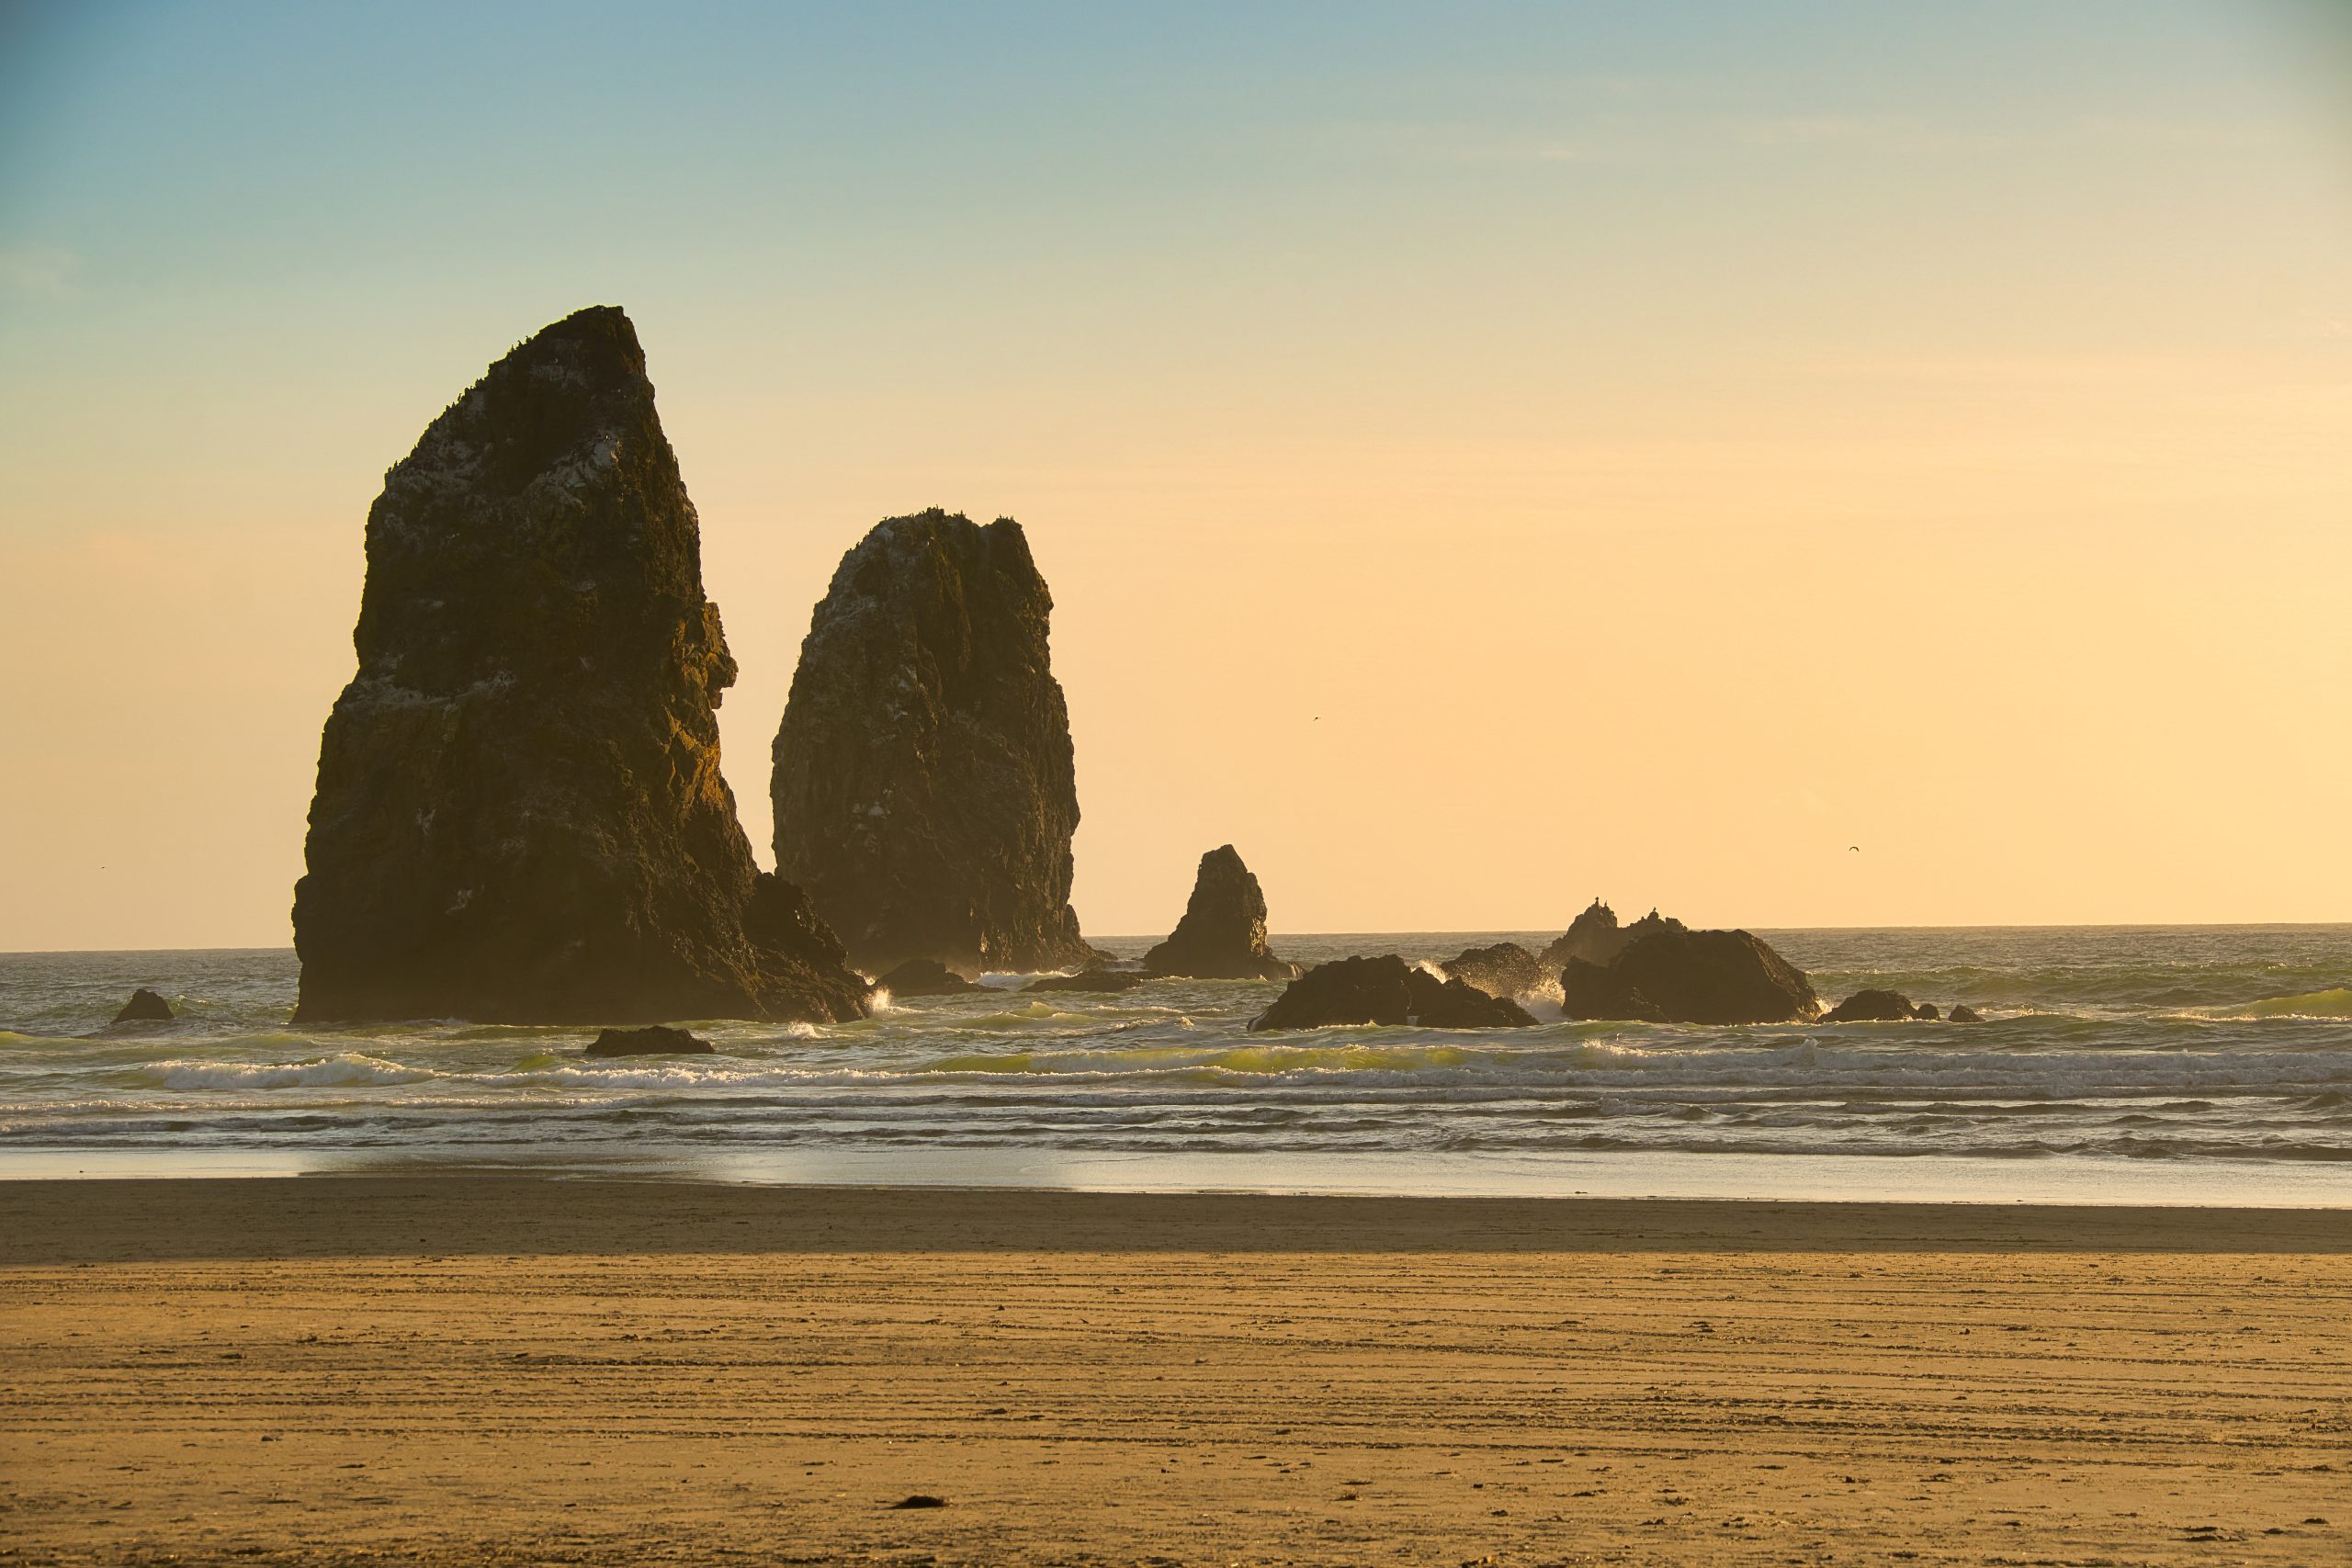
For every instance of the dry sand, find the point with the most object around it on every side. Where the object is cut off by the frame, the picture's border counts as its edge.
(512, 1369)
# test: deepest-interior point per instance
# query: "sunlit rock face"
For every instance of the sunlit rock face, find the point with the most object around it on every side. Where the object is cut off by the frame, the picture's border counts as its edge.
(924, 790)
(1223, 933)
(520, 815)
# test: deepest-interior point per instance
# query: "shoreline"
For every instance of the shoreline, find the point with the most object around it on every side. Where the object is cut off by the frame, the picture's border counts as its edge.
(2047, 1180)
(452, 1214)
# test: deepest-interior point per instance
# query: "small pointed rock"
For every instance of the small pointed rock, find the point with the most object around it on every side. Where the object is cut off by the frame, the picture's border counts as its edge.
(145, 1007)
(1223, 933)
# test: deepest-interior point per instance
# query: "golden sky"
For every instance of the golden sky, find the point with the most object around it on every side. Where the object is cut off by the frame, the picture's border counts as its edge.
(1483, 456)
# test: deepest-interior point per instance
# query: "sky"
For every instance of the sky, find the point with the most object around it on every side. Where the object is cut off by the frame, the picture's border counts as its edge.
(1792, 463)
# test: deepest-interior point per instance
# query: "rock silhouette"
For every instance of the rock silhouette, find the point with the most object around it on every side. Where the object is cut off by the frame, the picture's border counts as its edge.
(1875, 1006)
(1963, 1013)
(1674, 975)
(145, 1007)
(1223, 933)
(1506, 969)
(1597, 991)
(520, 815)
(923, 786)
(926, 978)
(1596, 938)
(1385, 990)
(655, 1041)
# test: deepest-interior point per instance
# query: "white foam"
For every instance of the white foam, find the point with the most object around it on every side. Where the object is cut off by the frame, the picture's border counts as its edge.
(346, 1070)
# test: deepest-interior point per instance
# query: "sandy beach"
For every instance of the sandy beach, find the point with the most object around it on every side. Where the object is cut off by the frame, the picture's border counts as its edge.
(462, 1368)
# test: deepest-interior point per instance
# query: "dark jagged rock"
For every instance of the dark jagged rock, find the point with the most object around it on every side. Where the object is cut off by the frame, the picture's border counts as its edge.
(145, 1007)
(1089, 980)
(1875, 1006)
(1223, 933)
(923, 787)
(926, 978)
(1505, 969)
(1385, 990)
(655, 1041)
(1596, 938)
(1674, 975)
(1963, 1013)
(1594, 991)
(1927, 1011)
(1457, 1004)
(520, 815)
(1348, 990)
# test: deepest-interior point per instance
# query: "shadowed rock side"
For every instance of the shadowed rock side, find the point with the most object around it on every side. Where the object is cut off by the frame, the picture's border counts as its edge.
(1596, 938)
(1673, 975)
(1386, 990)
(520, 815)
(923, 787)
(1505, 969)
(1223, 933)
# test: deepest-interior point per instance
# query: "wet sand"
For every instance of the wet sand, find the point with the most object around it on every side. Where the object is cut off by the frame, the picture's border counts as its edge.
(454, 1369)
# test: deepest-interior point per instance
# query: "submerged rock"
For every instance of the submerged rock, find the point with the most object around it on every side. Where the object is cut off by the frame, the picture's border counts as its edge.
(926, 978)
(1876, 1007)
(145, 1007)
(520, 815)
(1674, 975)
(1963, 1013)
(1223, 933)
(1596, 938)
(923, 787)
(1088, 980)
(1385, 990)
(1505, 969)
(656, 1041)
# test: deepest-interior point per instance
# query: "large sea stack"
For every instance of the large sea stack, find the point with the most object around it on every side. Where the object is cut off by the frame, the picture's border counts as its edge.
(1223, 933)
(520, 815)
(924, 792)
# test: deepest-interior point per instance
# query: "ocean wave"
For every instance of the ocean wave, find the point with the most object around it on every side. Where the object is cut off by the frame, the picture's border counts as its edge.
(2334, 1003)
(346, 1070)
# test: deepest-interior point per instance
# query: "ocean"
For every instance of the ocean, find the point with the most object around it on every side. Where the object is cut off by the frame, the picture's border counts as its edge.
(2145, 1065)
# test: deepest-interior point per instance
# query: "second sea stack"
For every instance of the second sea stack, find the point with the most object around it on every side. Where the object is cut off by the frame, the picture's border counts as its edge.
(1223, 933)
(924, 789)
(520, 816)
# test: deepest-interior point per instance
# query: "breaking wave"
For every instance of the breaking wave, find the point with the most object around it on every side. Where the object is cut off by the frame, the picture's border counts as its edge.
(2182, 1045)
